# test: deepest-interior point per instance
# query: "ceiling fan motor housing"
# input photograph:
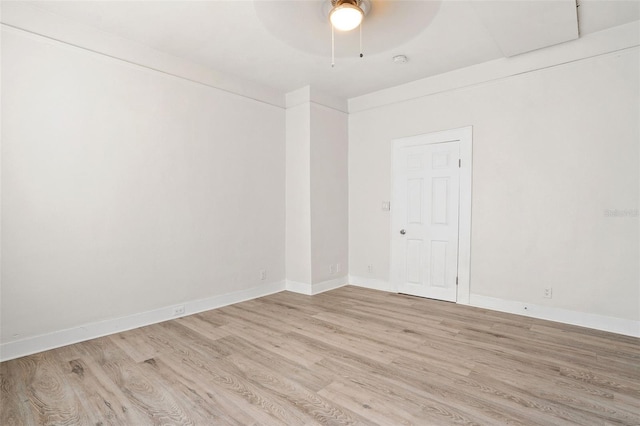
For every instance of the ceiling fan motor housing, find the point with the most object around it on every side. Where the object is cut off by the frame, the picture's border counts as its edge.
(364, 5)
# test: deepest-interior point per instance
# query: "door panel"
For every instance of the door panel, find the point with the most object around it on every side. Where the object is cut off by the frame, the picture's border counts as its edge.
(414, 261)
(414, 201)
(425, 206)
(439, 201)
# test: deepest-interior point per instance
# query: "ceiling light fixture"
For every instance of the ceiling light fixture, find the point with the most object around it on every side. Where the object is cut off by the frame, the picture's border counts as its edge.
(346, 15)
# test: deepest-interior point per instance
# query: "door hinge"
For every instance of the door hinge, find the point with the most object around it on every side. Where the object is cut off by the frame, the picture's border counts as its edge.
(456, 280)
(460, 162)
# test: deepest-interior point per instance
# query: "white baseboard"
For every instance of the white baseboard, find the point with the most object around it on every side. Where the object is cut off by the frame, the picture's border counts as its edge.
(598, 322)
(583, 319)
(317, 288)
(31, 345)
(330, 285)
(298, 287)
(371, 283)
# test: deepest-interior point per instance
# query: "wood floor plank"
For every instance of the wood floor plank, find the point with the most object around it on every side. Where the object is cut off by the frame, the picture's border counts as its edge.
(309, 377)
(379, 409)
(102, 399)
(309, 402)
(542, 357)
(430, 386)
(197, 400)
(49, 394)
(423, 402)
(14, 404)
(347, 356)
(236, 405)
(160, 404)
(203, 327)
(226, 377)
(338, 334)
(134, 344)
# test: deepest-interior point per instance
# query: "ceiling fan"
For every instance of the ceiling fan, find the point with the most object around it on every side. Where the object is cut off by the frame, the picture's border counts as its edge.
(346, 15)
(384, 25)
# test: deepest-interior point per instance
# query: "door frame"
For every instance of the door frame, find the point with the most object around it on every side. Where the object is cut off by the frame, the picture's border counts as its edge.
(465, 136)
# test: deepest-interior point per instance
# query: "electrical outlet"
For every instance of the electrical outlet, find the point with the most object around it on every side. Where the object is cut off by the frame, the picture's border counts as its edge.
(370, 268)
(178, 310)
(548, 292)
(263, 274)
(331, 270)
(338, 267)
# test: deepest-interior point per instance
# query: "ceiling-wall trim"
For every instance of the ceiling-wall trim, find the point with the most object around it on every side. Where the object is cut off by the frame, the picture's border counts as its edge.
(615, 39)
(30, 19)
(308, 94)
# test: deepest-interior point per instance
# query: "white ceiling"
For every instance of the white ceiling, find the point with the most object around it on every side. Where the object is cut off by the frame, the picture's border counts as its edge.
(286, 45)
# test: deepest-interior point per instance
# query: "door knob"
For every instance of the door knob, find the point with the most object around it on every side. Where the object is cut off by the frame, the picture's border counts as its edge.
(402, 231)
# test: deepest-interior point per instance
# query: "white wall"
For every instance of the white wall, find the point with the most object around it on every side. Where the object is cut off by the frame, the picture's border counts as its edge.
(317, 192)
(553, 148)
(126, 190)
(329, 193)
(298, 176)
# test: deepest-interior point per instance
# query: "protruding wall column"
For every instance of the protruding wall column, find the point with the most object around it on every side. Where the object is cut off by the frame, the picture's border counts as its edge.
(317, 193)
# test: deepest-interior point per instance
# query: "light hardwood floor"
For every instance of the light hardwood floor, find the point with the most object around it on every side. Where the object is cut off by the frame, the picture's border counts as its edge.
(348, 356)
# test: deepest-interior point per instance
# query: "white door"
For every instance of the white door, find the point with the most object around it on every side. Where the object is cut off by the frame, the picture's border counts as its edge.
(425, 211)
